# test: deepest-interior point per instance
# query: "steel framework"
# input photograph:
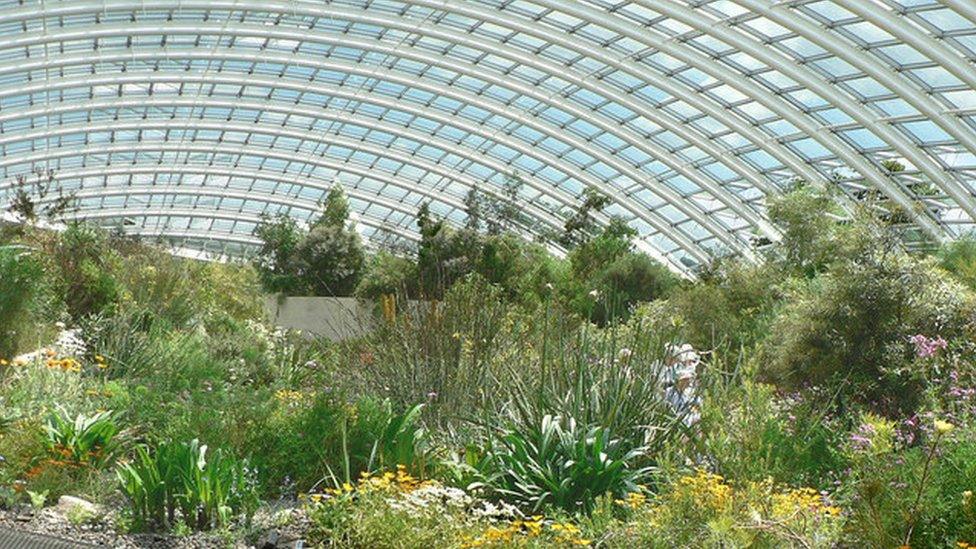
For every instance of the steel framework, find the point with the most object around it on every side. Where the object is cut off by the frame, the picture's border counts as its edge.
(188, 120)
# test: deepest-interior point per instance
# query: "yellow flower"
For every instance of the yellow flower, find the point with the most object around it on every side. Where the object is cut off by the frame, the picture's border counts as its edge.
(943, 427)
(99, 358)
(3, 362)
(634, 500)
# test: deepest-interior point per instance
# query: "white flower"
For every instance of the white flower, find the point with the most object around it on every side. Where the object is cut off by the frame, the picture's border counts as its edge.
(624, 354)
(594, 294)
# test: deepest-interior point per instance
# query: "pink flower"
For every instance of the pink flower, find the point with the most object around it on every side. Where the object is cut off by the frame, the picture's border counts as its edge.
(926, 347)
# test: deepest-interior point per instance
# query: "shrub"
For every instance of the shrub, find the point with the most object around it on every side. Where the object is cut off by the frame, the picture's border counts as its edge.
(387, 274)
(83, 440)
(21, 275)
(179, 477)
(812, 238)
(918, 495)
(731, 306)
(86, 261)
(705, 510)
(852, 326)
(304, 438)
(559, 464)
(330, 261)
(959, 259)
(184, 292)
(326, 260)
(628, 280)
(750, 433)
(280, 238)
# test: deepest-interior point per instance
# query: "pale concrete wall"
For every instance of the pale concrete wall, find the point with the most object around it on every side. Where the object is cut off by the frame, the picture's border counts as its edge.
(336, 318)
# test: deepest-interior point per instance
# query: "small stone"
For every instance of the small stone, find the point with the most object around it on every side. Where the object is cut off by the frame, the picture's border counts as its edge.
(269, 540)
(67, 503)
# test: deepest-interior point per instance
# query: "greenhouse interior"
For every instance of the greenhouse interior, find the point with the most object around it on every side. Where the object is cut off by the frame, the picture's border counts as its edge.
(487, 274)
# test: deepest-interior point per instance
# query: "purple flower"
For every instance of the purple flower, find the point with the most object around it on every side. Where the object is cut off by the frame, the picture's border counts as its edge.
(926, 347)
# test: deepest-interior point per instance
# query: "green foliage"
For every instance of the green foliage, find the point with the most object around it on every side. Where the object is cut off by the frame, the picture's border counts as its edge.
(812, 237)
(630, 279)
(377, 520)
(731, 306)
(387, 274)
(706, 510)
(921, 492)
(581, 226)
(607, 277)
(336, 212)
(184, 292)
(280, 238)
(401, 441)
(329, 260)
(560, 464)
(93, 440)
(750, 434)
(852, 325)
(20, 274)
(86, 262)
(326, 260)
(207, 491)
(959, 259)
(39, 198)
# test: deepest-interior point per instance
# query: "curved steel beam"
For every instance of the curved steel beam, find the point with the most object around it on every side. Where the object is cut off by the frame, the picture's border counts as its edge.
(291, 108)
(538, 213)
(649, 216)
(869, 64)
(621, 63)
(287, 132)
(652, 149)
(721, 30)
(758, 93)
(934, 49)
(301, 180)
(966, 8)
(667, 194)
(224, 192)
(216, 236)
(205, 213)
(224, 148)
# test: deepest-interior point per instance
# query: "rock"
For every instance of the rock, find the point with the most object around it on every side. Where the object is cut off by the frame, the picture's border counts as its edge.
(68, 503)
(269, 540)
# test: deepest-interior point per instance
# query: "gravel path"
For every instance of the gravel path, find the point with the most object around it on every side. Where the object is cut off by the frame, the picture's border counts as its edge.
(49, 522)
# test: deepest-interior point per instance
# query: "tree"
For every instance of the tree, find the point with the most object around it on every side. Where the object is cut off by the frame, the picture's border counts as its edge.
(336, 209)
(581, 226)
(505, 213)
(281, 237)
(39, 198)
(810, 233)
(472, 207)
(329, 260)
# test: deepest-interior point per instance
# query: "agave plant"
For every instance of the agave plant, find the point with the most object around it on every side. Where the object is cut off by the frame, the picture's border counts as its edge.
(94, 440)
(559, 463)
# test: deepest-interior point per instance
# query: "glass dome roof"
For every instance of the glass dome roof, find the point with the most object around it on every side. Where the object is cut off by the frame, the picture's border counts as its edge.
(188, 120)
